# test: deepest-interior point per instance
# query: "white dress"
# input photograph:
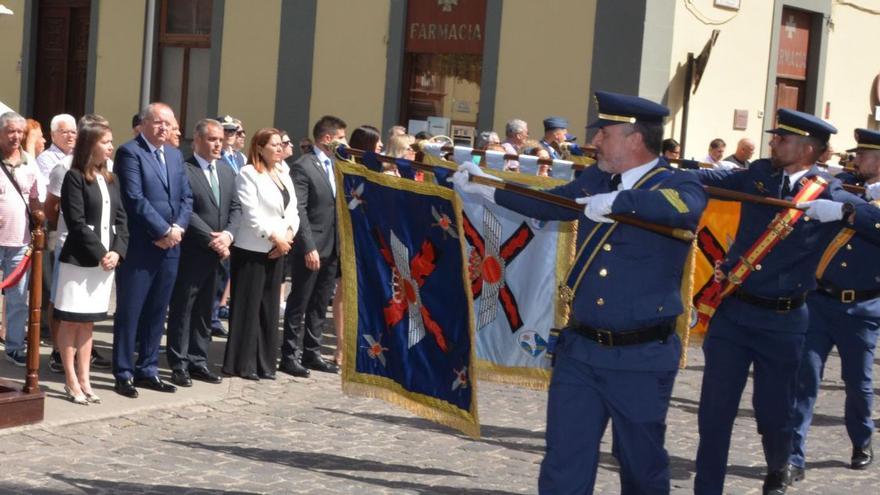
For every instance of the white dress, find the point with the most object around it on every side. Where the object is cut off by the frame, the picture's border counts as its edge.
(83, 292)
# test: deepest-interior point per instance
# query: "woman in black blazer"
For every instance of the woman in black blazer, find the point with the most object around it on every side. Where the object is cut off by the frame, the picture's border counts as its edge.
(96, 242)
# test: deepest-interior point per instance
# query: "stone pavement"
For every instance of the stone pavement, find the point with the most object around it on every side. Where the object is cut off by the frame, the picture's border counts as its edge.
(304, 436)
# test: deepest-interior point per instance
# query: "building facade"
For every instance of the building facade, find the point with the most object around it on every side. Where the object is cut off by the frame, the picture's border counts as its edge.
(447, 66)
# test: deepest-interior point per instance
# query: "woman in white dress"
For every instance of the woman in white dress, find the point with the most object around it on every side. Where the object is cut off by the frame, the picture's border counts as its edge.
(97, 239)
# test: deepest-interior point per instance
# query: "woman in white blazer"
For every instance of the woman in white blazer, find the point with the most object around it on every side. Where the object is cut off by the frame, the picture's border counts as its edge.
(269, 222)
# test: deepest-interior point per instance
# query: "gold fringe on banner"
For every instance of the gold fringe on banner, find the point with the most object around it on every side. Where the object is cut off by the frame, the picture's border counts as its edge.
(683, 322)
(533, 378)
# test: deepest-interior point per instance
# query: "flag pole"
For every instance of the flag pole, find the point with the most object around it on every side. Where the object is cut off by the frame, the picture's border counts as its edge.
(675, 233)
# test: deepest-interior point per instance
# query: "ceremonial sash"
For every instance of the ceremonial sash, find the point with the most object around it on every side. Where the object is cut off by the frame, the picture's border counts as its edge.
(596, 239)
(841, 239)
(780, 227)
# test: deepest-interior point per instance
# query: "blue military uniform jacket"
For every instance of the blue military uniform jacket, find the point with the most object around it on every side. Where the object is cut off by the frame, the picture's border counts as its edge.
(789, 269)
(855, 266)
(634, 280)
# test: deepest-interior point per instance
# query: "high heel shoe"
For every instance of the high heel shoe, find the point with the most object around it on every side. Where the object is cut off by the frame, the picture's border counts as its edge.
(93, 398)
(76, 399)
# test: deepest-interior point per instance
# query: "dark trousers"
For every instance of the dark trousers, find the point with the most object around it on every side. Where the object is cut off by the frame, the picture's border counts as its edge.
(731, 349)
(855, 338)
(189, 314)
(222, 280)
(142, 296)
(582, 399)
(253, 320)
(306, 311)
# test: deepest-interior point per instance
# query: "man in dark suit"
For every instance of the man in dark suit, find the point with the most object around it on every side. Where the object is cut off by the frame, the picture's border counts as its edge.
(314, 255)
(216, 211)
(158, 200)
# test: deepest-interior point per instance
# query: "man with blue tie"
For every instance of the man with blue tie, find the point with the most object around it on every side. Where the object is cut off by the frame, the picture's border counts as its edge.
(772, 265)
(314, 256)
(618, 357)
(158, 200)
(844, 313)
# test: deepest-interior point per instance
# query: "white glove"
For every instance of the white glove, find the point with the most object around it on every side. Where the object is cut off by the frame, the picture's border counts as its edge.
(596, 207)
(873, 190)
(461, 180)
(823, 210)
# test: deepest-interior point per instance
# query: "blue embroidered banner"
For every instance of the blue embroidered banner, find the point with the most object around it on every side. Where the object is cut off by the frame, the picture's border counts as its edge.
(408, 318)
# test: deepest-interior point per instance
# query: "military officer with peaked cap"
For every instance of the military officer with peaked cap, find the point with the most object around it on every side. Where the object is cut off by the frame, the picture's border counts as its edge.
(844, 313)
(763, 323)
(555, 132)
(619, 356)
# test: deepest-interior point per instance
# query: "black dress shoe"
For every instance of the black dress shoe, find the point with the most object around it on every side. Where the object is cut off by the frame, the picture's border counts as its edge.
(155, 383)
(219, 332)
(126, 388)
(267, 376)
(295, 369)
(181, 378)
(204, 375)
(862, 457)
(776, 482)
(318, 364)
(252, 376)
(796, 474)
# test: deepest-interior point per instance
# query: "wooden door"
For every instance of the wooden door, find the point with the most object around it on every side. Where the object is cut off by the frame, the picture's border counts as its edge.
(793, 59)
(62, 59)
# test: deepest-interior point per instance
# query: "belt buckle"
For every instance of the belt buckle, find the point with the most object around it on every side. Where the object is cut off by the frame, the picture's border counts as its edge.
(783, 304)
(848, 296)
(604, 337)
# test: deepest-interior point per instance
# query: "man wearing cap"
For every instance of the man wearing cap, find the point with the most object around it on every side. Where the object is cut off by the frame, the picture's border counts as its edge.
(844, 313)
(555, 130)
(230, 155)
(616, 360)
(763, 322)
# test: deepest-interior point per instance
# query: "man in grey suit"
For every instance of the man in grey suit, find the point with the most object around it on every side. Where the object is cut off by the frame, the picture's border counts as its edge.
(314, 255)
(215, 216)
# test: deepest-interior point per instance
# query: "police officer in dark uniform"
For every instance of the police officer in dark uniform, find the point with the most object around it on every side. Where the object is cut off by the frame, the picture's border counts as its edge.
(763, 323)
(619, 355)
(844, 313)
(555, 132)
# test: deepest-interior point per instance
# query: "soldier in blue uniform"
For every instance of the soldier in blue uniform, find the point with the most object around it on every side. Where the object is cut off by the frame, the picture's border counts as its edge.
(619, 355)
(763, 323)
(555, 133)
(844, 312)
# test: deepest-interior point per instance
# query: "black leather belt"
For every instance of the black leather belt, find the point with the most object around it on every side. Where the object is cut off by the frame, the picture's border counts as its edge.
(781, 304)
(846, 295)
(631, 337)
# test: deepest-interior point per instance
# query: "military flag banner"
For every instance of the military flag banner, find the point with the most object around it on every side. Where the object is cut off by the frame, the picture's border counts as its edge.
(409, 321)
(715, 235)
(516, 265)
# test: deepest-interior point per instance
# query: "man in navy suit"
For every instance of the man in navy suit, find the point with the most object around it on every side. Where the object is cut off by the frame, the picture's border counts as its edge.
(158, 200)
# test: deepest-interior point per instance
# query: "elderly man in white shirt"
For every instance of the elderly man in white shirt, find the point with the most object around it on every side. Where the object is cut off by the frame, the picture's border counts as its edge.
(63, 127)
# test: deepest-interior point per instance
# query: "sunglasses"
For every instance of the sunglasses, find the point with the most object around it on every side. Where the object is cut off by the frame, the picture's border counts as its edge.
(285, 143)
(241, 134)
